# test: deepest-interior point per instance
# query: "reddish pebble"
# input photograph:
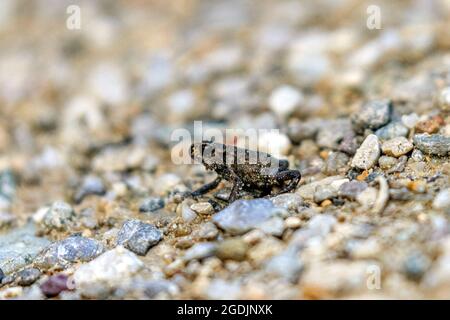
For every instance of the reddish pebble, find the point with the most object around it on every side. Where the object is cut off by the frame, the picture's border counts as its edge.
(54, 285)
(430, 126)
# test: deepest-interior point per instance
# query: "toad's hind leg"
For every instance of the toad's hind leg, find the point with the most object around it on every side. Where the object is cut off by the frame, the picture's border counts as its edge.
(206, 188)
(293, 175)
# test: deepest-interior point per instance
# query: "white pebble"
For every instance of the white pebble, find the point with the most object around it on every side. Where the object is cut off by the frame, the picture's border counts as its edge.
(368, 153)
(284, 100)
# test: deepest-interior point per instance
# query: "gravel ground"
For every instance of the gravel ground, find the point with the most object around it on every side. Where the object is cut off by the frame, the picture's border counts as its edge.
(92, 206)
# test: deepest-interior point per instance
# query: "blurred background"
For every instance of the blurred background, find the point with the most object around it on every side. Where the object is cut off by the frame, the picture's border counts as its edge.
(135, 70)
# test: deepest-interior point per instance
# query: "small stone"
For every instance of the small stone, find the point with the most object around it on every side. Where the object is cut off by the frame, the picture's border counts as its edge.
(336, 163)
(204, 208)
(19, 247)
(138, 236)
(244, 215)
(98, 278)
(417, 155)
(367, 197)
(444, 99)
(434, 144)
(65, 252)
(91, 186)
(372, 115)
(200, 251)
(276, 144)
(284, 100)
(289, 201)
(151, 204)
(416, 265)
(60, 216)
(274, 226)
(286, 265)
(396, 147)
(55, 285)
(324, 192)
(410, 120)
(187, 213)
(392, 130)
(332, 133)
(367, 154)
(442, 200)
(293, 222)
(429, 126)
(351, 189)
(386, 162)
(232, 249)
(28, 276)
(207, 231)
(302, 130)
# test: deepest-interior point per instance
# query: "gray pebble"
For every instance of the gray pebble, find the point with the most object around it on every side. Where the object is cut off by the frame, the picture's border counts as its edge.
(367, 154)
(336, 163)
(417, 155)
(286, 265)
(392, 130)
(91, 186)
(289, 201)
(324, 192)
(333, 132)
(351, 189)
(28, 276)
(299, 130)
(434, 144)
(60, 216)
(65, 252)
(151, 204)
(372, 115)
(138, 236)
(416, 265)
(387, 162)
(244, 215)
(200, 251)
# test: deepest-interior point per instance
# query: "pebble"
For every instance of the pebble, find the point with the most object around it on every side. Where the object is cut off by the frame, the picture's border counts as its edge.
(444, 99)
(99, 277)
(7, 188)
(410, 120)
(91, 185)
(396, 147)
(442, 200)
(200, 251)
(367, 154)
(274, 143)
(351, 189)
(28, 276)
(284, 100)
(333, 132)
(372, 115)
(60, 216)
(415, 265)
(232, 249)
(289, 201)
(204, 208)
(431, 125)
(302, 130)
(54, 285)
(244, 215)
(417, 155)
(434, 144)
(287, 265)
(187, 213)
(63, 253)
(336, 163)
(151, 204)
(307, 191)
(293, 222)
(392, 130)
(138, 236)
(207, 231)
(387, 162)
(324, 192)
(18, 248)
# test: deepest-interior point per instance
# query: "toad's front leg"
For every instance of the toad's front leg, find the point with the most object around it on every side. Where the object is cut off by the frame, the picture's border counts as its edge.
(293, 176)
(206, 188)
